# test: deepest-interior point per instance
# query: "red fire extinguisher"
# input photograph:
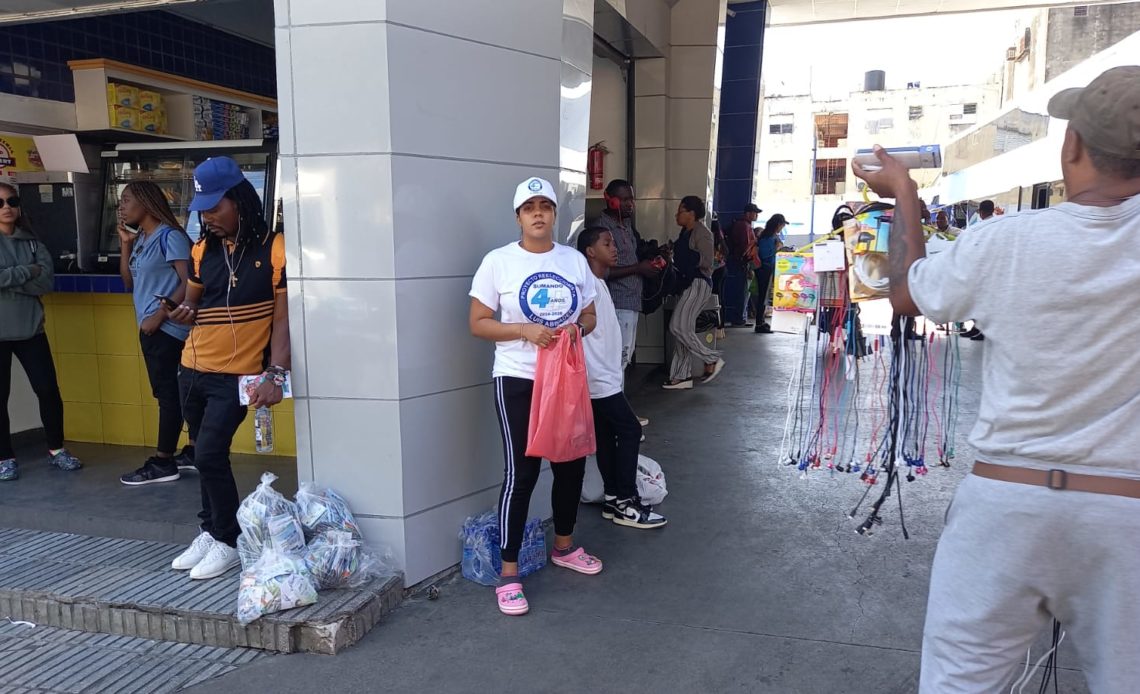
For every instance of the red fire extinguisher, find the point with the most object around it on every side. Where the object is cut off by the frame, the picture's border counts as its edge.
(596, 165)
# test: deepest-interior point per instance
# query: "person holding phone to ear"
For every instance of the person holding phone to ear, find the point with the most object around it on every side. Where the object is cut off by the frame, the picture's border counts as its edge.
(154, 267)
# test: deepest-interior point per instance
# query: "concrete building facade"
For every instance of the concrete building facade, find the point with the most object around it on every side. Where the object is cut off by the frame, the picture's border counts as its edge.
(795, 124)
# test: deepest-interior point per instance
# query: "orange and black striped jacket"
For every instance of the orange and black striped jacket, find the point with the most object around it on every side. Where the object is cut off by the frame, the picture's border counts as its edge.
(235, 316)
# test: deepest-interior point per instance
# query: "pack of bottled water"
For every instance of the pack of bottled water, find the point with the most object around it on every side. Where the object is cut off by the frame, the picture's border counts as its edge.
(482, 559)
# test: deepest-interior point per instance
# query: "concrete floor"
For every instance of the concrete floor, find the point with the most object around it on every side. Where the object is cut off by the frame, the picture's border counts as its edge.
(93, 502)
(758, 584)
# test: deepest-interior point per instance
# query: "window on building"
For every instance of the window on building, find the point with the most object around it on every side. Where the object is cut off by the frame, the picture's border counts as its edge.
(830, 176)
(831, 129)
(970, 110)
(1081, 11)
(781, 124)
(915, 112)
(880, 119)
(780, 170)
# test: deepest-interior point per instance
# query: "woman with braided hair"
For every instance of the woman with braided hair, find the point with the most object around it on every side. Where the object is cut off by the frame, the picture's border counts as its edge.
(154, 261)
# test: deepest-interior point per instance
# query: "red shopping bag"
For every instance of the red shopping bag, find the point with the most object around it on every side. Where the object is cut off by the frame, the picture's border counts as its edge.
(561, 419)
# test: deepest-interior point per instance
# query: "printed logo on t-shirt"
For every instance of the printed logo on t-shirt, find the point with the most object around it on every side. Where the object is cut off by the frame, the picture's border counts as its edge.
(548, 298)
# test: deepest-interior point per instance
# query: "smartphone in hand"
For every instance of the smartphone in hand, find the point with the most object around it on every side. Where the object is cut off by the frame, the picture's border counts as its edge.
(166, 302)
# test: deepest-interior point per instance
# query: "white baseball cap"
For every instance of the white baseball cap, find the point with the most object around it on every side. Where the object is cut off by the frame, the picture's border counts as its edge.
(534, 188)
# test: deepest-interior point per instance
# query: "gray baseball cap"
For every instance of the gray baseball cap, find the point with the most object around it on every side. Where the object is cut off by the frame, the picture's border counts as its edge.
(1106, 113)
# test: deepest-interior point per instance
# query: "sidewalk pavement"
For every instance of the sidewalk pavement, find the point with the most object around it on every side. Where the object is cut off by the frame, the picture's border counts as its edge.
(758, 584)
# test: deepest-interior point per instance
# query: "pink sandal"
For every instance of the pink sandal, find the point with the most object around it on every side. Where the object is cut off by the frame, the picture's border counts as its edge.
(511, 599)
(579, 561)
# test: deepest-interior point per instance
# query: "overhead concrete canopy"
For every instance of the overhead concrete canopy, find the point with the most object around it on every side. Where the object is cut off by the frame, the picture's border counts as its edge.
(792, 12)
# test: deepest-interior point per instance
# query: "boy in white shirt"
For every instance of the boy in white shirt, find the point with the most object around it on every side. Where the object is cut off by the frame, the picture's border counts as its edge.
(616, 427)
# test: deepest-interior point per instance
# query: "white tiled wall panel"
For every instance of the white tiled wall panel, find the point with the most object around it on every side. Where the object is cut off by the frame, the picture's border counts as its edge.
(448, 214)
(341, 75)
(649, 77)
(650, 167)
(453, 446)
(688, 173)
(650, 116)
(346, 216)
(486, 103)
(435, 350)
(433, 536)
(356, 450)
(336, 11)
(695, 22)
(689, 123)
(350, 332)
(385, 534)
(283, 45)
(691, 71)
(533, 26)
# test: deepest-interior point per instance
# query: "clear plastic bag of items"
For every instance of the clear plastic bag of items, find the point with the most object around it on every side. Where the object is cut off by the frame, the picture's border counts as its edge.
(268, 519)
(338, 560)
(322, 510)
(277, 581)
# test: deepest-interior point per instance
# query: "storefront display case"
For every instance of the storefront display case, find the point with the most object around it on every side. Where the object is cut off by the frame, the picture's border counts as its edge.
(171, 167)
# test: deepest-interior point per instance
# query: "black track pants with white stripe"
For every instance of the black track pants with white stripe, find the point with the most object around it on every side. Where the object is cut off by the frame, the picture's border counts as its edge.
(520, 472)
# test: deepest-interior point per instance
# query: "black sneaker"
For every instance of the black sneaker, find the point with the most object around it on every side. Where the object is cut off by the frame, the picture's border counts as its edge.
(970, 333)
(609, 507)
(153, 470)
(185, 460)
(633, 514)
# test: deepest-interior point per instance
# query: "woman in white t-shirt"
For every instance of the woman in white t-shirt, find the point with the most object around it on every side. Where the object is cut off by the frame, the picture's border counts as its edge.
(541, 291)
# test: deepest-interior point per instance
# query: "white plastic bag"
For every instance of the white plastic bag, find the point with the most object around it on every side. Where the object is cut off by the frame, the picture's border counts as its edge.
(269, 519)
(277, 581)
(593, 489)
(321, 509)
(338, 560)
(650, 481)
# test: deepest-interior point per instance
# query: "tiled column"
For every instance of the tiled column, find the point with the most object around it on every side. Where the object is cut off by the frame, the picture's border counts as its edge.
(405, 127)
(676, 103)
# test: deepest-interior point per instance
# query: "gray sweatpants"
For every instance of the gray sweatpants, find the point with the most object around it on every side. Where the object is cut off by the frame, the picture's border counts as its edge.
(683, 325)
(1014, 556)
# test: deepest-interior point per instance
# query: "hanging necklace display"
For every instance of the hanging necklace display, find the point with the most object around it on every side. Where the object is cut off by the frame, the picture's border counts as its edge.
(873, 420)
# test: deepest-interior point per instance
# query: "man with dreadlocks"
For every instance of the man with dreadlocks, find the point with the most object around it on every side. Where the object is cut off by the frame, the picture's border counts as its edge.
(236, 300)
(1047, 526)
(155, 257)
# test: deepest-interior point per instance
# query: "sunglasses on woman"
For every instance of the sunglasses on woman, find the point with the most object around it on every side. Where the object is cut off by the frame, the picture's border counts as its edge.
(12, 202)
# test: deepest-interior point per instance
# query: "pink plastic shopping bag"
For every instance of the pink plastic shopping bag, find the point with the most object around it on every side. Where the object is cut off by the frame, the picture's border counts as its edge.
(561, 419)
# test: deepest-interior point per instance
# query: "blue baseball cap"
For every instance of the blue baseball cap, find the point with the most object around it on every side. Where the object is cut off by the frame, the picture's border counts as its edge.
(212, 179)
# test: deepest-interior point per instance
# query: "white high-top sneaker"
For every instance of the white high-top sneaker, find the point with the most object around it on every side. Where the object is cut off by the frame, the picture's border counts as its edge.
(197, 551)
(220, 559)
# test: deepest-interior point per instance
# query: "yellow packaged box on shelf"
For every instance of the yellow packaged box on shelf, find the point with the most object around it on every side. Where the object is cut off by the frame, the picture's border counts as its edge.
(125, 118)
(150, 121)
(122, 95)
(149, 101)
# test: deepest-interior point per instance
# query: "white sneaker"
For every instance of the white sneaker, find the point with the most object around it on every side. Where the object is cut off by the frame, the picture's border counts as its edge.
(220, 559)
(190, 558)
(643, 421)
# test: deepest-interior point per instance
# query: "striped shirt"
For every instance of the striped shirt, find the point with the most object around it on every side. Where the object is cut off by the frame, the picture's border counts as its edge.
(235, 316)
(626, 291)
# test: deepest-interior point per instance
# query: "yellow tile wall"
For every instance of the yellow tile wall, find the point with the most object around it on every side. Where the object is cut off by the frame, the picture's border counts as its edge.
(103, 379)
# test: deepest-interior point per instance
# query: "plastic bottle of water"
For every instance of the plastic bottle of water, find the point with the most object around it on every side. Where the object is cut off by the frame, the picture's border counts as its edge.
(263, 430)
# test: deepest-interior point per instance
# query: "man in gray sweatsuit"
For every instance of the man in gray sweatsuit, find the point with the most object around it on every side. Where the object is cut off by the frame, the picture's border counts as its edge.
(1048, 523)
